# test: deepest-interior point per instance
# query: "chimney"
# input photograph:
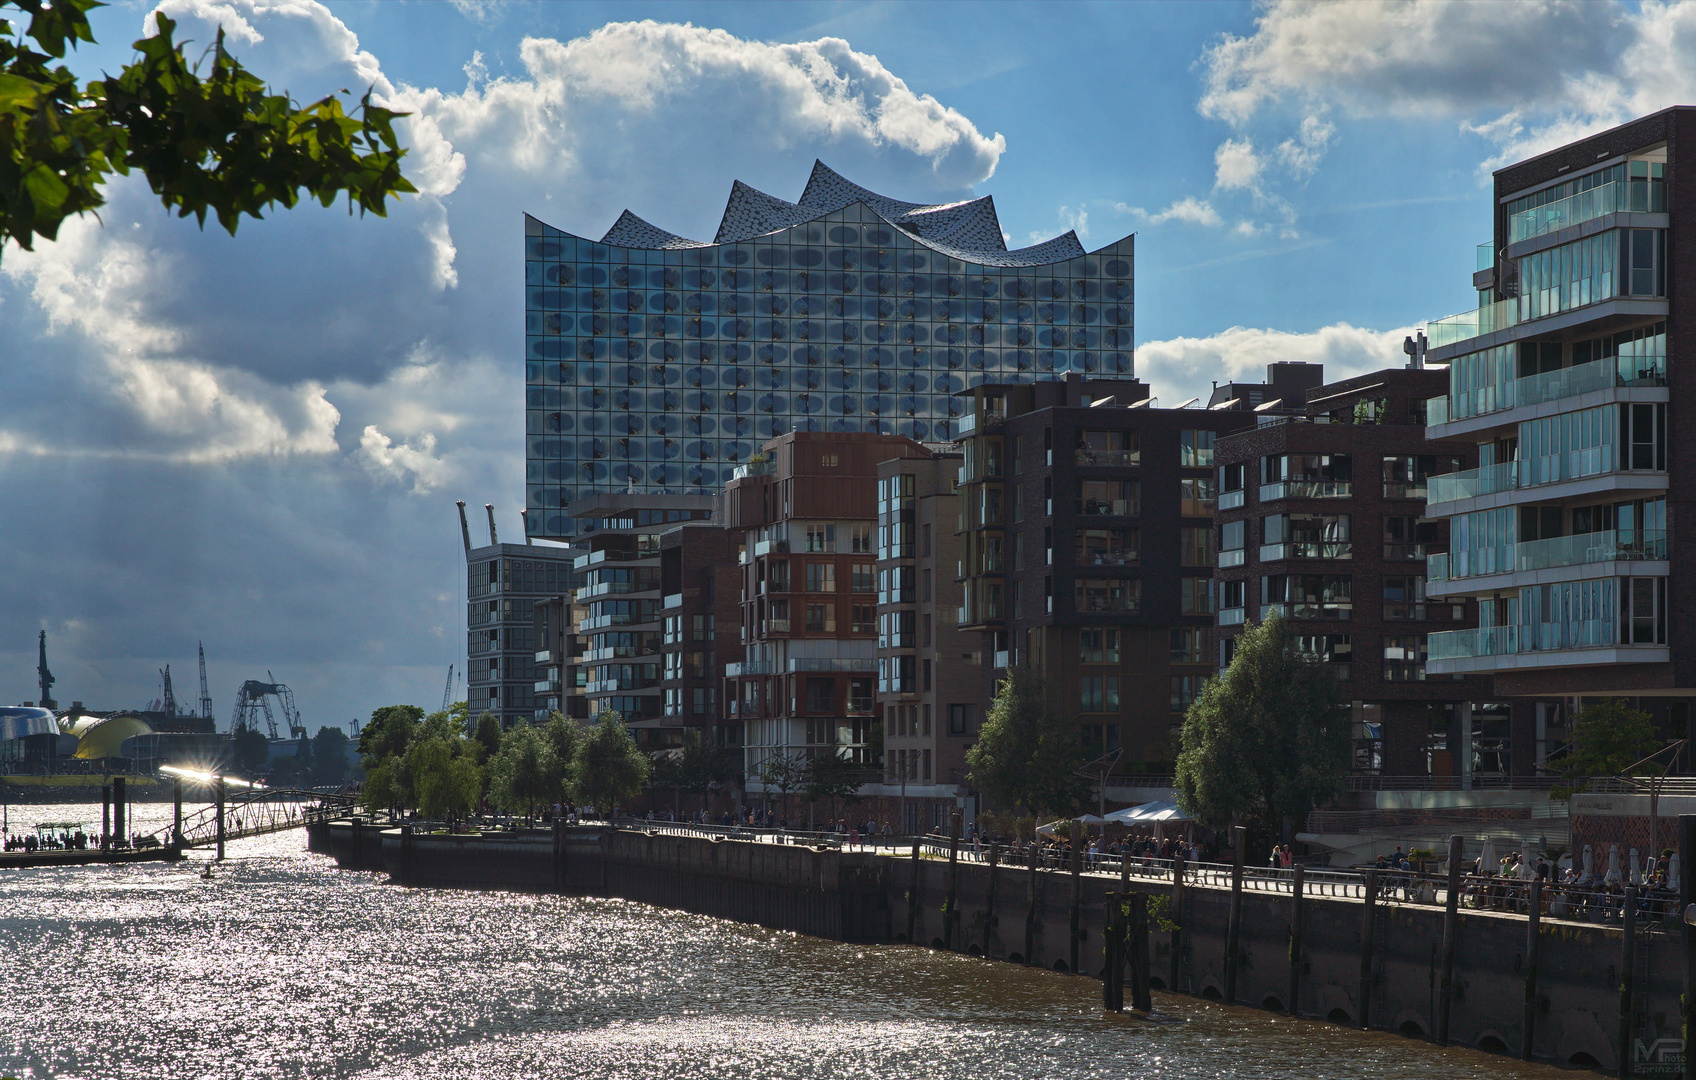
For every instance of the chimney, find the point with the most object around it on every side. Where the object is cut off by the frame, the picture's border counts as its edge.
(489, 508)
(464, 529)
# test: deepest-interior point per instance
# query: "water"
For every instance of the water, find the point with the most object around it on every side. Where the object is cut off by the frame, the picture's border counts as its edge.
(283, 966)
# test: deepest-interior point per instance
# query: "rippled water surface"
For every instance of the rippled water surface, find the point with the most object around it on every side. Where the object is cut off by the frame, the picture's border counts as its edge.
(283, 966)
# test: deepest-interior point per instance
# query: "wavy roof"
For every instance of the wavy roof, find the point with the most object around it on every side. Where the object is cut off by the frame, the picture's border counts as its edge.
(967, 230)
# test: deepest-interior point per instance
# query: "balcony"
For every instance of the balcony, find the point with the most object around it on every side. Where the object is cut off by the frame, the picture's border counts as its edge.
(1406, 552)
(1229, 558)
(1576, 643)
(1091, 457)
(672, 600)
(614, 686)
(1306, 489)
(544, 657)
(1404, 489)
(1549, 386)
(753, 468)
(832, 663)
(777, 626)
(1307, 549)
(615, 588)
(973, 422)
(1309, 609)
(1471, 483)
(1614, 198)
(748, 667)
(1000, 659)
(1580, 549)
(1231, 616)
(1231, 500)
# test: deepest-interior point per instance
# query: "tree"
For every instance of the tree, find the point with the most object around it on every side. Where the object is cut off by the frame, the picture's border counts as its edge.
(523, 774)
(447, 781)
(249, 750)
(835, 779)
(1266, 740)
(488, 736)
(382, 788)
(1608, 738)
(562, 736)
(329, 756)
(1028, 752)
(222, 144)
(786, 773)
(609, 767)
(388, 734)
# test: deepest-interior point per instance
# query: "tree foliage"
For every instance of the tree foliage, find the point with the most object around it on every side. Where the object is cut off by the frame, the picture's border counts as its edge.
(785, 772)
(221, 143)
(1028, 752)
(1266, 739)
(249, 749)
(1608, 738)
(329, 756)
(524, 774)
(834, 779)
(388, 734)
(609, 767)
(488, 736)
(445, 776)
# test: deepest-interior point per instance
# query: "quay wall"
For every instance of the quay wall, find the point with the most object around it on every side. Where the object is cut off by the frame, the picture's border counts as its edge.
(1381, 971)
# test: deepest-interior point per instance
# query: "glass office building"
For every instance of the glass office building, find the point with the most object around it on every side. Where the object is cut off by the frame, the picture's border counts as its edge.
(658, 364)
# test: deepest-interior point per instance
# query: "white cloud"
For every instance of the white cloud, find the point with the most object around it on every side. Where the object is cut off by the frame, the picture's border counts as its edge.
(1189, 210)
(1242, 353)
(1301, 154)
(419, 464)
(1236, 165)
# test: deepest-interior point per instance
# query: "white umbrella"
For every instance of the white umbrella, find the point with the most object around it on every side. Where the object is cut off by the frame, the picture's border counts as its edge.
(1613, 864)
(1636, 869)
(1089, 819)
(1487, 858)
(1527, 864)
(1588, 875)
(1673, 878)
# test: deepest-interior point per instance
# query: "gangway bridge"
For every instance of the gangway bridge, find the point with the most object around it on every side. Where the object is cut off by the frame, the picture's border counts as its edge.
(248, 811)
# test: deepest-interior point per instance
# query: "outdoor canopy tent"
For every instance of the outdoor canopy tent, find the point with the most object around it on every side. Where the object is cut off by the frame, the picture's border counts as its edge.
(1148, 813)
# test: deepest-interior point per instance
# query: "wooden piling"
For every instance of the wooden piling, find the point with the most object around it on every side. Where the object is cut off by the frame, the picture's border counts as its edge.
(177, 812)
(1368, 935)
(950, 907)
(1112, 954)
(1137, 946)
(1627, 977)
(1296, 958)
(1177, 907)
(1234, 930)
(1077, 906)
(913, 898)
(1451, 930)
(1030, 906)
(1687, 896)
(989, 904)
(1533, 951)
(218, 795)
(120, 823)
(105, 815)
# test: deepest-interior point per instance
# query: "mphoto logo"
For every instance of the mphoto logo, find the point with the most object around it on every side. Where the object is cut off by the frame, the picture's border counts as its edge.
(1657, 1057)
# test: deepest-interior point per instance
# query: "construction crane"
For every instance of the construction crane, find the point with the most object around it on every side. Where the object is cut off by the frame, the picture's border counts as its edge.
(169, 705)
(447, 691)
(254, 698)
(205, 698)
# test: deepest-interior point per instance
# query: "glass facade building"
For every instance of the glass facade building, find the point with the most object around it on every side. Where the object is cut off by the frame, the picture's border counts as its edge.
(658, 364)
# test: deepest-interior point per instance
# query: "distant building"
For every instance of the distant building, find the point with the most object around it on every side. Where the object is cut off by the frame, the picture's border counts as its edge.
(656, 363)
(503, 584)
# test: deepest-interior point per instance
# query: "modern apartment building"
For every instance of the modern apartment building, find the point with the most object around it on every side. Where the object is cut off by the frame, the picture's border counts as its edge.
(1564, 534)
(806, 509)
(701, 609)
(1087, 550)
(504, 582)
(1321, 519)
(655, 363)
(930, 687)
(618, 607)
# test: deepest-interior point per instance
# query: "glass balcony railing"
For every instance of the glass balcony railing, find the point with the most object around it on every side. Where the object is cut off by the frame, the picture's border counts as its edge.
(1306, 489)
(1473, 482)
(1090, 456)
(1307, 549)
(1580, 549)
(1231, 557)
(1231, 616)
(1486, 256)
(1514, 640)
(1470, 324)
(1230, 500)
(1585, 206)
(1549, 386)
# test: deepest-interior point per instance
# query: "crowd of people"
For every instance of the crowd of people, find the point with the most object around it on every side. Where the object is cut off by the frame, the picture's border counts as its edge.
(63, 841)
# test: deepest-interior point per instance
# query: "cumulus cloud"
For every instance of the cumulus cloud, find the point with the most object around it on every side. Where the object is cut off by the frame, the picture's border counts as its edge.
(319, 387)
(1236, 165)
(1242, 353)
(1301, 154)
(1189, 210)
(1552, 71)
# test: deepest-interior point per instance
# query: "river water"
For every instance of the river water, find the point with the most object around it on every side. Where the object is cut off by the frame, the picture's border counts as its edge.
(280, 965)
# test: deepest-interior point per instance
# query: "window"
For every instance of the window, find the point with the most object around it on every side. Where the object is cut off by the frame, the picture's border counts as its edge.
(1404, 597)
(1018, 551)
(924, 584)
(895, 585)
(1195, 546)
(1309, 596)
(777, 575)
(862, 615)
(1195, 448)
(1306, 476)
(1109, 547)
(821, 618)
(1107, 594)
(1231, 477)
(960, 720)
(821, 695)
(1184, 691)
(1197, 496)
(1115, 498)
(1099, 739)
(821, 537)
(1098, 645)
(1016, 495)
(1109, 448)
(1334, 650)
(1233, 594)
(701, 700)
(1014, 455)
(924, 541)
(895, 674)
(895, 630)
(1232, 543)
(1195, 595)
(1098, 693)
(1405, 476)
(1404, 658)
(700, 628)
(861, 539)
(860, 698)
(1407, 537)
(1305, 536)
(821, 577)
(924, 629)
(925, 669)
(1186, 644)
(865, 577)
(895, 516)
(674, 629)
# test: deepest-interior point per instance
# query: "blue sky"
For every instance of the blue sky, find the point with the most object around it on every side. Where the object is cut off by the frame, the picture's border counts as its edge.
(257, 441)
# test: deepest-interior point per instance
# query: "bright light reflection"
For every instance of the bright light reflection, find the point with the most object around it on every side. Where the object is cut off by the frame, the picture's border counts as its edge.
(199, 777)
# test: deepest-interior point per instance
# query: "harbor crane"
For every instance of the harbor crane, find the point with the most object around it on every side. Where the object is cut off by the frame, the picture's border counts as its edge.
(253, 699)
(447, 691)
(205, 698)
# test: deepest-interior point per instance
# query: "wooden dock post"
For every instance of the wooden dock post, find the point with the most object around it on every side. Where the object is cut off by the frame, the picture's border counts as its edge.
(1686, 897)
(105, 816)
(1451, 929)
(913, 897)
(218, 794)
(1142, 998)
(1113, 955)
(950, 907)
(989, 905)
(1368, 934)
(1627, 977)
(1030, 905)
(1177, 906)
(1234, 929)
(1533, 951)
(1077, 907)
(1296, 959)
(120, 824)
(177, 812)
